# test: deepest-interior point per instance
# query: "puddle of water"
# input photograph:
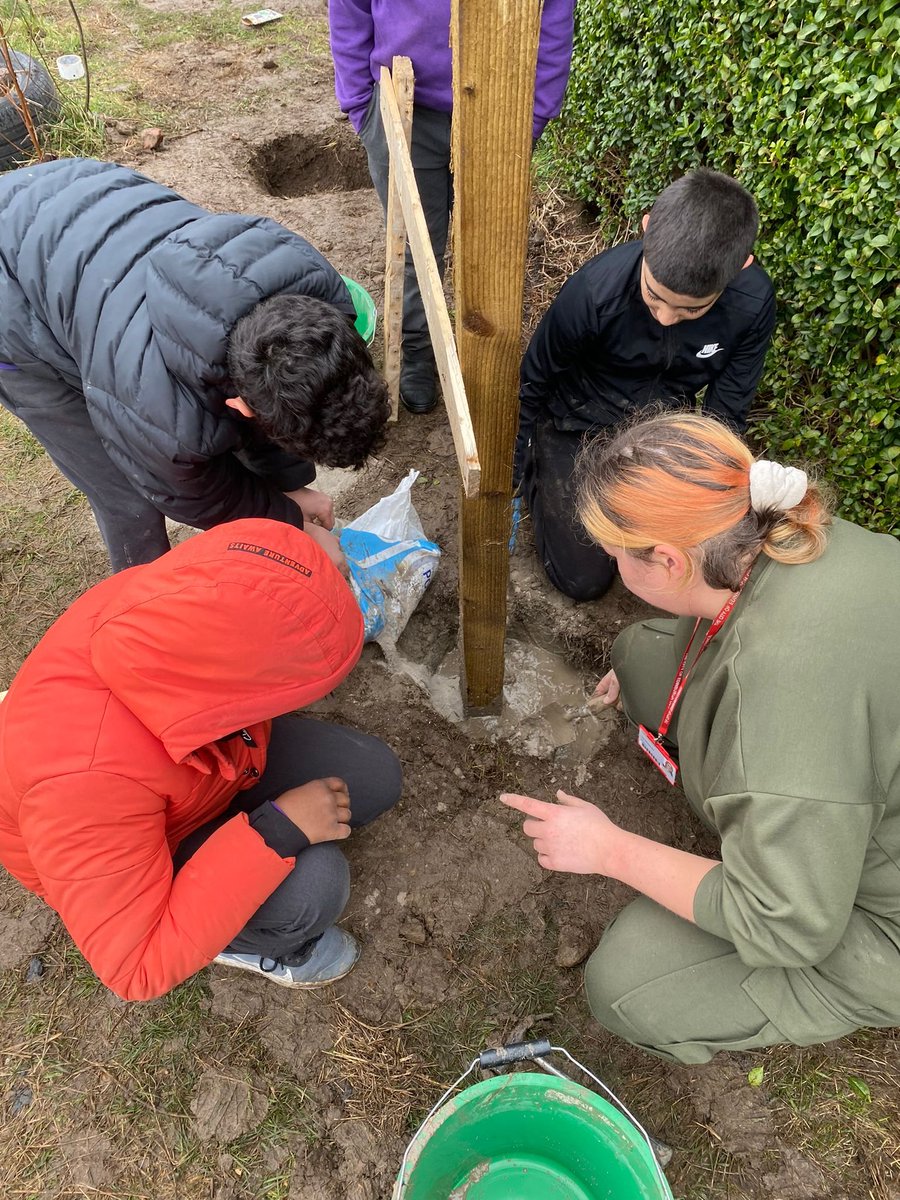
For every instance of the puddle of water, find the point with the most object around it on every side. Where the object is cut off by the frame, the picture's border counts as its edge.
(543, 706)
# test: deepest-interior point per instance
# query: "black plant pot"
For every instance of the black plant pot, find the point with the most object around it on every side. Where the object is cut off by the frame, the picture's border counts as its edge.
(42, 99)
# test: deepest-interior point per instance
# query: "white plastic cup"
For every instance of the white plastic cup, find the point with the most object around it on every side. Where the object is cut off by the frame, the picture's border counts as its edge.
(70, 66)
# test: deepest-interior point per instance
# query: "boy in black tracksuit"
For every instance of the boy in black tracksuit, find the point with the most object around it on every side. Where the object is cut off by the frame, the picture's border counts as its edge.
(645, 322)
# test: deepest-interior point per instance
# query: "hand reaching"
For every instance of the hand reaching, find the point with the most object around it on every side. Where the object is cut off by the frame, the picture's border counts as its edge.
(606, 693)
(316, 506)
(331, 545)
(572, 835)
(321, 809)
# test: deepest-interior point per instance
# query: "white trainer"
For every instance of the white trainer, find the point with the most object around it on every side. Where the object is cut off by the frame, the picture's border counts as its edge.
(334, 956)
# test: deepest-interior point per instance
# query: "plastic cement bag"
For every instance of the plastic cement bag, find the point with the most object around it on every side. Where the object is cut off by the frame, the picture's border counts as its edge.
(391, 562)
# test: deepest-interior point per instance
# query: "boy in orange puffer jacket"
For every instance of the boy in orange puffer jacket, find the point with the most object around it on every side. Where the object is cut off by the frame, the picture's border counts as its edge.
(151, 789)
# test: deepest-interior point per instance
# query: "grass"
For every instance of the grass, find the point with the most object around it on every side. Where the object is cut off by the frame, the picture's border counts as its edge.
(395, 1072)
(70, 960)
(220, 26)
(22, 448)
(135, 1098)
(388, 1074)
(842, 1108)
(126, 43)
(39, 1052)
(47, 31)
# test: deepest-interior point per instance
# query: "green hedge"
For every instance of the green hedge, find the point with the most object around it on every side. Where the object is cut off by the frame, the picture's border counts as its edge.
(801, 101)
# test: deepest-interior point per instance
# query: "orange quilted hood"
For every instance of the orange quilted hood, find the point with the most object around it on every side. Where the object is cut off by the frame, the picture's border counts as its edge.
(234, 626)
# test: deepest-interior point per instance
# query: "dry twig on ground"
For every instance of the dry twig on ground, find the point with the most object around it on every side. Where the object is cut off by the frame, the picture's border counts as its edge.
(562, 239)
(16, 87)
(388, 1082)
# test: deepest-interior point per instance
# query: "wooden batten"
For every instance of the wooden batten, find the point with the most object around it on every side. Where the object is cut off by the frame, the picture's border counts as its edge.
(395, 259)
(432, 290)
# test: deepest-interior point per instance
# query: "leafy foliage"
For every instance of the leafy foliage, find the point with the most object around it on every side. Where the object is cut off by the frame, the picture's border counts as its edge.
(801, 101)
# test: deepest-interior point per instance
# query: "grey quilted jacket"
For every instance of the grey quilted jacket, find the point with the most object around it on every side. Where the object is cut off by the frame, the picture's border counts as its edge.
(127, 292)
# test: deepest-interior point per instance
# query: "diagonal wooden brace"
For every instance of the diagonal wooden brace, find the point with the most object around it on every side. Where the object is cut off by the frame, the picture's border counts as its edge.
(432, 289)
(395, 259)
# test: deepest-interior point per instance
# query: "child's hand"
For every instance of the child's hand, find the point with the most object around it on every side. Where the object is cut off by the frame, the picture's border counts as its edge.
(331, 545)
(320, 809)
(572, 835)
(316, 506)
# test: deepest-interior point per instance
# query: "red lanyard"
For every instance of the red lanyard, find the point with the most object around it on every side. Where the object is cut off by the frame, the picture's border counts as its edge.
(682, 676)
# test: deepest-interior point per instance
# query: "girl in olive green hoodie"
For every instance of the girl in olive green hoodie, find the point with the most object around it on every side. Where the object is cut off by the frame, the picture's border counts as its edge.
(773, 697)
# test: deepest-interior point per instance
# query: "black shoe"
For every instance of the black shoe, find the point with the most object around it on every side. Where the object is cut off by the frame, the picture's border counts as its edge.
(418, 388)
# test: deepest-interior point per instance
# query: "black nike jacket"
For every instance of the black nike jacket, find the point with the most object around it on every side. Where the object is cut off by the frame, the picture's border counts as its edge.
(599, 353)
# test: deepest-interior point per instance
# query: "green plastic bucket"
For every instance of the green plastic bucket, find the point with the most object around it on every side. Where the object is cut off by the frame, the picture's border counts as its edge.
(366, 312)
(529, 1137)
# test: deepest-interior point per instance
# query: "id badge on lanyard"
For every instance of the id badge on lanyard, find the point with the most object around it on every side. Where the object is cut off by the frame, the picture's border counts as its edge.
(657, 754)
(650, 743)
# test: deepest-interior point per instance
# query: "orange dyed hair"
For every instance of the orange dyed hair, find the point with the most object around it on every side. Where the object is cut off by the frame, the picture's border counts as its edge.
(684, 479)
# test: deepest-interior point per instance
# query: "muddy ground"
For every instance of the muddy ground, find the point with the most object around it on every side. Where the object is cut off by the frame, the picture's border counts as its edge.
(232, 1088)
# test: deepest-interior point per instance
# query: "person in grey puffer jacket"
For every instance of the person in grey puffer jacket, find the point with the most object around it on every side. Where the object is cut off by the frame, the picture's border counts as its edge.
(175, 362)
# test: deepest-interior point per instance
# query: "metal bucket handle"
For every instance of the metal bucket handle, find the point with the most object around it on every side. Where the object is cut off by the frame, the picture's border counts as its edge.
(535, 1051)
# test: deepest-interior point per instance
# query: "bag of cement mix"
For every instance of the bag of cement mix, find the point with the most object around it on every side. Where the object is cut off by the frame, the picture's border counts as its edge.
(391, 562)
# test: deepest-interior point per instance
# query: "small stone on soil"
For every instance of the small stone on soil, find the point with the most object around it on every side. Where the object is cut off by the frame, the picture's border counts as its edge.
(575, 944)
(35, 970)
(152, 139)
(20, 1099)
(413, 930)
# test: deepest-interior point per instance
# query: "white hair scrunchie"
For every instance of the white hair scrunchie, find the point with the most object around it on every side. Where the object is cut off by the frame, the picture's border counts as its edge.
(773, 486)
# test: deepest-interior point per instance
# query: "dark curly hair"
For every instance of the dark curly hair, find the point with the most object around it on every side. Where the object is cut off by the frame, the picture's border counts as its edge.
(309, 379)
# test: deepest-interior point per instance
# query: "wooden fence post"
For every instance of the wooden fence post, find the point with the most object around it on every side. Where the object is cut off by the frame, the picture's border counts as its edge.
(495, 46)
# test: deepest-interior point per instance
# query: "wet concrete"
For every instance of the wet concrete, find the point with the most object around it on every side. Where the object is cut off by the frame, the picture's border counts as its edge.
(544, 703)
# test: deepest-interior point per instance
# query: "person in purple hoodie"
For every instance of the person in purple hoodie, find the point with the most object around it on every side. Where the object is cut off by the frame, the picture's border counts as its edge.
(365, 36)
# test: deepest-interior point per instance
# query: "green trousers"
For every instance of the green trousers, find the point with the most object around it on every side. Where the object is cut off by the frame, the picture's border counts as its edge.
(657, 980)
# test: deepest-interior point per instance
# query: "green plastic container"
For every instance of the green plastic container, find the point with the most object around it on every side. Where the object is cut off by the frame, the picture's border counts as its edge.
(529, 1137)
(366, 312)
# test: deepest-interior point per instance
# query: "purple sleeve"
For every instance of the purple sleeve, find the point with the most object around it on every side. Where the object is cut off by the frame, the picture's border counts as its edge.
(554, 60)
(352, 40)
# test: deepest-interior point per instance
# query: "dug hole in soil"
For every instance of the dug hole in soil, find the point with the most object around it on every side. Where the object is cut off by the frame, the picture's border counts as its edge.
(466, 940)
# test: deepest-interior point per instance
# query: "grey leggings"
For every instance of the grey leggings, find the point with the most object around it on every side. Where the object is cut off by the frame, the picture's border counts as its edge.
(316, 892)
(57, 415)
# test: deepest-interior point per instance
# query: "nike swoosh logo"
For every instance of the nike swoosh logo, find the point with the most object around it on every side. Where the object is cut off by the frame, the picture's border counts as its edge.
(704, 353)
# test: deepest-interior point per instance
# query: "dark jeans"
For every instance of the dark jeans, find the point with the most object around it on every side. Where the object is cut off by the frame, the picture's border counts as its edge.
(430, 152)
(316, 892)
(56, 414)
(575, 565)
